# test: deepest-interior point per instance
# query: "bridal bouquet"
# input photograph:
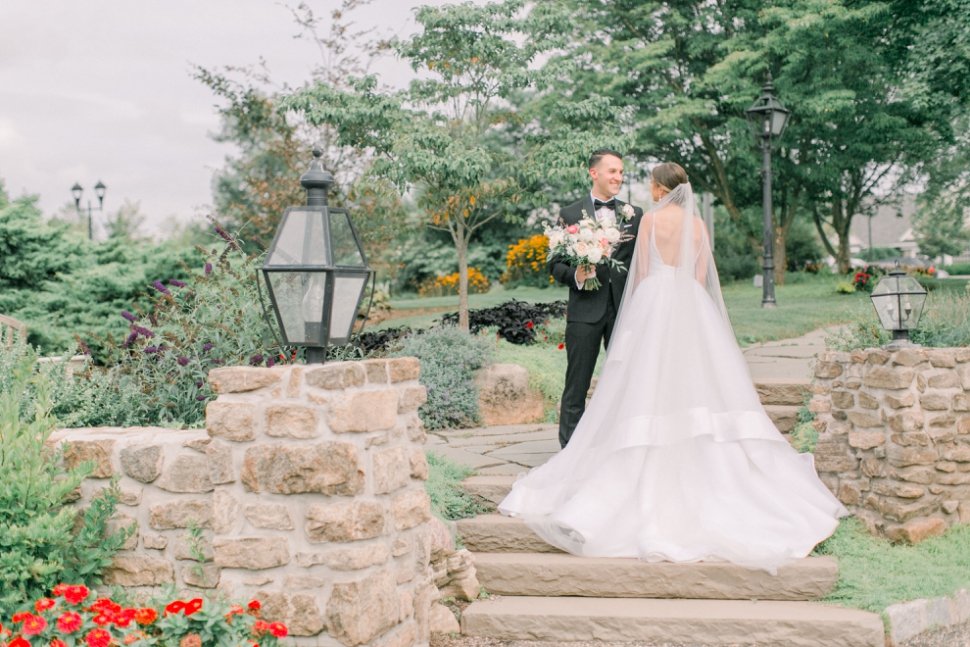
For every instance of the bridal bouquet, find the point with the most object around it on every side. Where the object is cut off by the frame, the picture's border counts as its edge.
(588, 242)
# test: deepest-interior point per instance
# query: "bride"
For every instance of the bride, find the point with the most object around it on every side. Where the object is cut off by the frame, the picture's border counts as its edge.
(675, 459)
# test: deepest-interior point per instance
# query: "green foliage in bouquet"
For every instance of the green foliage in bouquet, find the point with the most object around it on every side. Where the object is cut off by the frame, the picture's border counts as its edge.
(42, 538)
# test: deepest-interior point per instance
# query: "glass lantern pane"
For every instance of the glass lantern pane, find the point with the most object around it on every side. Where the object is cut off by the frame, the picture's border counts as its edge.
(346, 252)
(299, 300)
(779, 118)
(912, 308)
(347, 292)
(887, 309)
(301, 240)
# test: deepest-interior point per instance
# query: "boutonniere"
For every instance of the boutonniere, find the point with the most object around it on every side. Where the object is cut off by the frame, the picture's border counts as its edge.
(627, 212)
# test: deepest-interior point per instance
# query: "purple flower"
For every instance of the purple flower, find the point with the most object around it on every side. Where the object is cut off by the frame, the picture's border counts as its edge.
(161, 288)
(200, 398)
(176, 283)
(144, 332)
(223, 234)
(256, 360)
(270, 362)
(151, 349)
(199, 384)
(130, 317)
(206, 347)
(130, 339)
(208, 269)
(183, 360)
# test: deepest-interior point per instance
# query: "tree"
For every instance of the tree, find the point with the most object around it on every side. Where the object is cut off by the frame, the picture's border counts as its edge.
(447, 137)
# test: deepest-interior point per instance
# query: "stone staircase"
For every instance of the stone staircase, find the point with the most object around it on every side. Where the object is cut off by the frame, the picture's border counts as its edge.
(539, 593)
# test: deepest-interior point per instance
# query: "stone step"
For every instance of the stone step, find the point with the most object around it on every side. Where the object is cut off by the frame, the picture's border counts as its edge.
(784, 416)
(694, 622)
(496, 533)
(559, 574)
(492, 488)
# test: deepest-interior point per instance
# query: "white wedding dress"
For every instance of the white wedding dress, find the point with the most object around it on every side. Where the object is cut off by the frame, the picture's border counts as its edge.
(675, 458)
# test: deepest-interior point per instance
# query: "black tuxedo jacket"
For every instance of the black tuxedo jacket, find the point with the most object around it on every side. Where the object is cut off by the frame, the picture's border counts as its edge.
(589, 306)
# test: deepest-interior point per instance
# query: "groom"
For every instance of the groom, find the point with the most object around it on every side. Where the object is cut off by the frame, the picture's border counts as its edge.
(590, 314)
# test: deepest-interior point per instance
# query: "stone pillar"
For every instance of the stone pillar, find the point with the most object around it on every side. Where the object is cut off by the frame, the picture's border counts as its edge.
(894, 437)
(306, 490)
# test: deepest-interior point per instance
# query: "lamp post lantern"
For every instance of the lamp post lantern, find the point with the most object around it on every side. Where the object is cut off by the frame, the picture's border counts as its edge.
(316, 270)
(899, 299)
(768, 118)
(99, 190)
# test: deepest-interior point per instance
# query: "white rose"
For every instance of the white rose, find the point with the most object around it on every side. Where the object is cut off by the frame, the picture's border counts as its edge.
(627, 211)
(581, 248)
(556, 239)
(595, 255)
(612, 235)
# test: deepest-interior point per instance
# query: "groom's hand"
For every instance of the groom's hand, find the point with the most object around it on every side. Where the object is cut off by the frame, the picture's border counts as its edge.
(584, 272)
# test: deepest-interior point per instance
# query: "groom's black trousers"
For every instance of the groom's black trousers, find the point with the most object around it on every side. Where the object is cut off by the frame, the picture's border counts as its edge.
(582, 348)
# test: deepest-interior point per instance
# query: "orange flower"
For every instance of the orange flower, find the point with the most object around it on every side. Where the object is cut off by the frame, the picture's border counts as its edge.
(57, 642)
(145, 616)
(192, 640)
(134, 636)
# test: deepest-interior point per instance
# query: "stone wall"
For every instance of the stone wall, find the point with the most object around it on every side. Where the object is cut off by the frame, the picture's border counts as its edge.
(305, 490)
(894, 437)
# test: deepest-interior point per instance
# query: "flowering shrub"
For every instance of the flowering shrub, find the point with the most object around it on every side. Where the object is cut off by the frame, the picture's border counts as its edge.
(73, 616)
(525, 263)
(444, 285)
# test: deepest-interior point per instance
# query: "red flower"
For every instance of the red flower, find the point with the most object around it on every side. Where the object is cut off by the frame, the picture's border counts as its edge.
(76, 594)
(33, 625)
(98, 638)
(260, 627)
(124, 617)
(43, 604)
(101, 619)
(106, 606)
(69, 622)
(278, 629)
(255, 605)
(145, 616)
(192, 606)
(58, 590)
(561, 346)
(57, 642)
(529, 325)
(18, 642)
(175, 606)
(20, 616)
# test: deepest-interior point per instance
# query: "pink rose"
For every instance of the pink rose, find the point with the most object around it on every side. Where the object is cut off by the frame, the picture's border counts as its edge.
(572, 229)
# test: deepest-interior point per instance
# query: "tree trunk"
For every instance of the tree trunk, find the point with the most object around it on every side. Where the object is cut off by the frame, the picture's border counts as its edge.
(781, 255)
(461, 247)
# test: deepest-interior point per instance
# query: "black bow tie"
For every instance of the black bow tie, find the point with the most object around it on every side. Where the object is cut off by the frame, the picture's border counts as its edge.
(609, 204)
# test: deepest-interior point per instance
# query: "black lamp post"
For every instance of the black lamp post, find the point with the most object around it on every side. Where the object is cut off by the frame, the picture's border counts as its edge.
(316, 270)
(77, 190)
(768, 119)
(898, 299)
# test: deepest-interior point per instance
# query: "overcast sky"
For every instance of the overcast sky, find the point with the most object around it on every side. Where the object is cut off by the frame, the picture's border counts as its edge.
(102, 90)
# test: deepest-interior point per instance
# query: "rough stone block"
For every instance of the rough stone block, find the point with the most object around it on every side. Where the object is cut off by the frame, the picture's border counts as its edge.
(363, 411)
(877, 356)
(154, 542)
(901, 490)
(957, 454)
(865, 420)
(220, 463)
(934, 401)
(203, 576)
(142, 462)
(344, 521)
(412, 397)
(226, 517)
(911, 439)
(834, 456)
(403, 369)
(139, 570)
(410, 508)
(299, 611)
(181, 514)
(943, 380)
(900, 401)
(916, 474)
(354, 557)
(916, 530)
(866, 401)
(906, 421)
(253, 553)
(886, 377)
(235, 421)
(905, 456)
(268, 515)
(376, 370)
(360, 611)
(243, 379)
(866, 439)
(419, 464)
(336, 376)
(187, 473)
(909, 357)
(292, 421)
(900, 511)
(961, 402)
(955, 478)
(97, 452)
(827, 370)
(327, 468)
(391, 469)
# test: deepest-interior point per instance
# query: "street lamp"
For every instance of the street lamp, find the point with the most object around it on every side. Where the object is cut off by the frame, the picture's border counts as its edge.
(768, 119)
(898, 299)
(316, 270)
(99, 190)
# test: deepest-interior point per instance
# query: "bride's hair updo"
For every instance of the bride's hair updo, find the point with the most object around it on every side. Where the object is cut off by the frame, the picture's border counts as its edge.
(669, 175)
